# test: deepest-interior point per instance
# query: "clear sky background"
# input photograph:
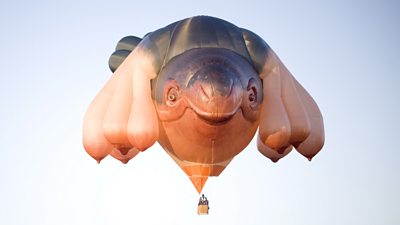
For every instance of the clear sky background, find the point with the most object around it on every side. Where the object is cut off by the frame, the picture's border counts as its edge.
(54, 57)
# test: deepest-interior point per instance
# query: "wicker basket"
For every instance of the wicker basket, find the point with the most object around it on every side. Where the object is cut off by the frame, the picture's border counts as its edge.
(202, 210)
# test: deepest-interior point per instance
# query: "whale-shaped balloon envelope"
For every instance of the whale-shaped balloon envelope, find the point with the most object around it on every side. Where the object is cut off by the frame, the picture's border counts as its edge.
(201, 87)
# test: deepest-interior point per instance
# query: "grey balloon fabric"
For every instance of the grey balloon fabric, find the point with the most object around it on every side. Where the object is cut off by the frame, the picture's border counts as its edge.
(124, 47)
(128, 43)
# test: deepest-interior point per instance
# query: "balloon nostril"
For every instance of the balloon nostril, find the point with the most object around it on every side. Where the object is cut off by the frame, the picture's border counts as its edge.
(207, 90)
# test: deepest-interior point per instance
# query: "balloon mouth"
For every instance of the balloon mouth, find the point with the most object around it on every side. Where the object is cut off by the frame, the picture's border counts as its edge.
(212, 106)
(215, 119)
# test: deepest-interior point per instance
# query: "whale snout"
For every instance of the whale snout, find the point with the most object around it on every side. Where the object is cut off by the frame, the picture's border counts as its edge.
(213, 84)
(215, 93)
(214, 80)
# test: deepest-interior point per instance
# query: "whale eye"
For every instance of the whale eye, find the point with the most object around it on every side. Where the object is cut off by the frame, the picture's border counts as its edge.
(252, 97)
(172, 96)
(252, 94)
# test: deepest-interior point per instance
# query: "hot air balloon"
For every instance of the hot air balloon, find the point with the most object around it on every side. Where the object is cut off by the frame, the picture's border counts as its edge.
(200, 87)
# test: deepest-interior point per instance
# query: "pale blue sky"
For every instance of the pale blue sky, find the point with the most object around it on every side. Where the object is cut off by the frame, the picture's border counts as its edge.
(54, 60)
